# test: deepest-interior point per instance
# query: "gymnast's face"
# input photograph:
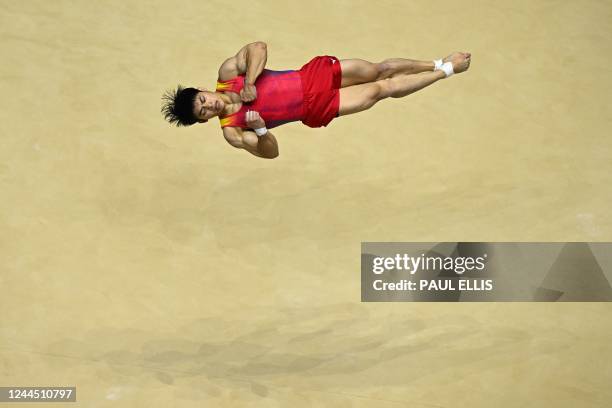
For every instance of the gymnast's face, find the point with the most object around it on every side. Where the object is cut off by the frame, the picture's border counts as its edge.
(207, 105)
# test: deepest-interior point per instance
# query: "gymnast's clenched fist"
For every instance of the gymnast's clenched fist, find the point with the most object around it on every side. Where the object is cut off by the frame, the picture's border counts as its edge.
(253, 120)
(248, 93)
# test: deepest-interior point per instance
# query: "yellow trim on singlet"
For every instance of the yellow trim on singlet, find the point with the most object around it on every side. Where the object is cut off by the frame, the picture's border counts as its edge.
(223, 86)
(225, 121)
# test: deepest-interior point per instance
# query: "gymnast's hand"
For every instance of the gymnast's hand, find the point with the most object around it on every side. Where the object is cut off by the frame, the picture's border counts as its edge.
(254, 121)
(248, 93)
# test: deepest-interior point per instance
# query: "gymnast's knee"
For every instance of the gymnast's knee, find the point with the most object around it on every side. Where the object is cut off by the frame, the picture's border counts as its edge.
(381, 89)
(383, 70)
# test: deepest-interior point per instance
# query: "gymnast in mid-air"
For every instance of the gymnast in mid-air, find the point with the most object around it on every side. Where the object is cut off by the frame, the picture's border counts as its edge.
(250, 100)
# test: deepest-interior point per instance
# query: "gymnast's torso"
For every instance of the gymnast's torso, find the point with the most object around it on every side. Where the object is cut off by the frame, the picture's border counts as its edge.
(280, 98)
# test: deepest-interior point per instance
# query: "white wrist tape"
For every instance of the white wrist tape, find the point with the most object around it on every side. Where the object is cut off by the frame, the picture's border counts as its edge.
(261, 131)
(447, 67)
(437, 64)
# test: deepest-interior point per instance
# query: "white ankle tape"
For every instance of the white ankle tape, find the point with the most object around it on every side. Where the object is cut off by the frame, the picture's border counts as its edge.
(437, 64)
(447, 67)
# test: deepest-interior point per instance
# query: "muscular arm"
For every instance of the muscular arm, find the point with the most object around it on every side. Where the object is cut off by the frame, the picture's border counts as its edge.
(249, 61)
(261, 146)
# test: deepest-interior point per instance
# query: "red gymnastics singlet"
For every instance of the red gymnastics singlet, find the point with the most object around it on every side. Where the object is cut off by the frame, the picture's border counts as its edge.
(280, 99)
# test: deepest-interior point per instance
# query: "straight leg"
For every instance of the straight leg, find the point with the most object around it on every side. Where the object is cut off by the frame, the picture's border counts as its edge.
(361, 97)
(357, 71)
(357, 98)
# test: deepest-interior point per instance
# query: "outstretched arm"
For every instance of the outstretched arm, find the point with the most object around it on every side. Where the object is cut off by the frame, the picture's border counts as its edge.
(264, 146)
(249, 61)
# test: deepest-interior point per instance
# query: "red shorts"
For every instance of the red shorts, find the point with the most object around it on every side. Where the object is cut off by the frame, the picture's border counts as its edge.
(321, 78)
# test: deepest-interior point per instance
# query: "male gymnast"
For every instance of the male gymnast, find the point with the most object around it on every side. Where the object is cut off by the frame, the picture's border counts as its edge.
(250, 100)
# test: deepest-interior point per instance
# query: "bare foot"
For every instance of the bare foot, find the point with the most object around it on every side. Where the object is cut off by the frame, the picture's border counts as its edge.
(460, 60)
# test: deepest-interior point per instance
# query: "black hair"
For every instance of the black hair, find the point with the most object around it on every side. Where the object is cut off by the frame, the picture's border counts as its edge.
(177, 106)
